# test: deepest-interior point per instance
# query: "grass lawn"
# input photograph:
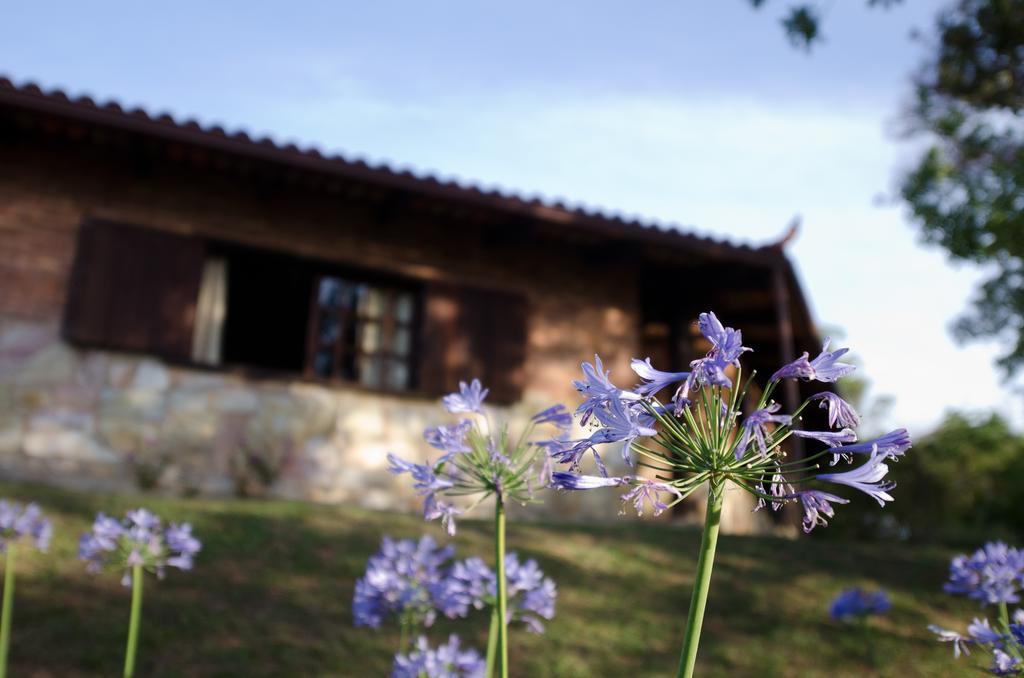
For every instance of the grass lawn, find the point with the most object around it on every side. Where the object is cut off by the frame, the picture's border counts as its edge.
(272, 591)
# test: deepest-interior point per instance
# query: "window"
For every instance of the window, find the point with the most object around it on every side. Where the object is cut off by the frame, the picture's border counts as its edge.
(362, 333)
(197, 301)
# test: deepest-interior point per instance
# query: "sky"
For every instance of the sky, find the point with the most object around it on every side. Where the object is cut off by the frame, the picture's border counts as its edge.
(691, 113)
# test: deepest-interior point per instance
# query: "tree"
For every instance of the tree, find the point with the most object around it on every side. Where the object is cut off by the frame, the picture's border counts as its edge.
(802, 22)
(966, 192)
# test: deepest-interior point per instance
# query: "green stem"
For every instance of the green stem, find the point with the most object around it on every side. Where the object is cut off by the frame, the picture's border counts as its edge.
(133, 622)
(492, 642)
(8, 605)
(1004, 616)
(499, 568)
(708, 541)
(403, 637)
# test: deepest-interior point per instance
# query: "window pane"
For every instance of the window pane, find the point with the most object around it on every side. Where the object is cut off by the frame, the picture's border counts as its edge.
(401, 341)
(369, 371)
(398, 375)
(330, 292)
(323, 364)
(371, 302)
(329, 328)
(403, 307)
(370, 340)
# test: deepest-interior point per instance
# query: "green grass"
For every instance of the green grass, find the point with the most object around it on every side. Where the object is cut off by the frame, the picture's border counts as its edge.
(272, 590)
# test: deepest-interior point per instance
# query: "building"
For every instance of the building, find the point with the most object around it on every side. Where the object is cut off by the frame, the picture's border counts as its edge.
(198, 311)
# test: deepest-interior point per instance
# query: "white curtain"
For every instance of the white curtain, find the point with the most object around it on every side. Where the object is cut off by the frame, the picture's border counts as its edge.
(210, 313)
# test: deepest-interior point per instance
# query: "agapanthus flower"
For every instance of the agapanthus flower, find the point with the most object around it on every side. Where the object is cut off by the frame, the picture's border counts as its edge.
(557, 415)
(961, 643)
(994, 574)
(856, 602)
(450, 439)
(481, 459)
(981, 632)
(470, 584)
(825, 368)
(444, 661)
(654, 380)
(840, 413)
(755, 428)
(817, 507)
(139, 539)
(867, 478)
(470, 398)
(893, 445)
(695, 441)
(597, 388)
(400, 582)
(1004, 664)
(23, 522)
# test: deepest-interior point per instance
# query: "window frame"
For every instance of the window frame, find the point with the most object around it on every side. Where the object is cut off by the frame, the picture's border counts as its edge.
(352, 319)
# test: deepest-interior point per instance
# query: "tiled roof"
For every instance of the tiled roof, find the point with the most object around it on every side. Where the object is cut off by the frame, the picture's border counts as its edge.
(56, 102)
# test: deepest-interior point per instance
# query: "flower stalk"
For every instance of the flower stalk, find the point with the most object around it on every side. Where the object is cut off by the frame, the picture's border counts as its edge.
(502, 598)
(702, 583)
(706, 435)
(133, 622)
(8, 605)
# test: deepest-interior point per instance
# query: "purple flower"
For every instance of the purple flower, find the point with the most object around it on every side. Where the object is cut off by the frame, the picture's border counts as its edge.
(826, 367)
(1004, 664)
(840, 412)
(597, 389)
(856, 602)
(467, 586)
(817, 507)
(867, 478)
(450, 439)
(138, 539)
(23, 522)
(556, 415)
(777, 488)
(893, 444)
(398, 582)
(982, 633)
(654, 380)
(830, 438)
(960, 643)
(434, 509)
(445, 661)
(469, 398)
(531, 595)
(1017, 631)
(648, 492)
(994, 574)
(727, 343)
(621, 423)
(471, 584)
(755, 427)
(572, 481)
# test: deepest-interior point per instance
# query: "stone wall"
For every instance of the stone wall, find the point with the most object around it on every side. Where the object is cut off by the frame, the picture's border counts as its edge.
(99, 419)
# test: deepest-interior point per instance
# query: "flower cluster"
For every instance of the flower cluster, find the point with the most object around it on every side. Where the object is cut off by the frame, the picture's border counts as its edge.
(701, 435)
(479, 458)
(413, 580)
(400, 580)
(857, 603)
(140, 539)
(19, 521)
(993, 575)
(472, 585)
(444, 661)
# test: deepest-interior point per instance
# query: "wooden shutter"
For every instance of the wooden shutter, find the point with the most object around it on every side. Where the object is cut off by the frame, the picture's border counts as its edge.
(134, 289)
(471, 332)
